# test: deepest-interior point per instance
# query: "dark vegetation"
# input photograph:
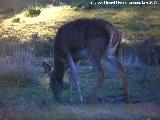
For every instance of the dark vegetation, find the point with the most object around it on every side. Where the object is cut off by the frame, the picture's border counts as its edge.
(33, 11)
(26, 40)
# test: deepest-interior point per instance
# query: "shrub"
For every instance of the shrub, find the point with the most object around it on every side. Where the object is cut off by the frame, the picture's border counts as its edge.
(33, 11)
(16, 20)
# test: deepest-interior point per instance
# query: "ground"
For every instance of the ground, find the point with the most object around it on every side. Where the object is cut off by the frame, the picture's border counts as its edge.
(145, 111)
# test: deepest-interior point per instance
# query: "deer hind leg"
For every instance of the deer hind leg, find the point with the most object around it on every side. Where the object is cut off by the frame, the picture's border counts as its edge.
(73, 75)
(123, 73)
(95, 61)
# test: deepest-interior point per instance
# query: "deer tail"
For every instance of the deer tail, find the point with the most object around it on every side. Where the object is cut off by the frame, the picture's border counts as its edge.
(114, 41)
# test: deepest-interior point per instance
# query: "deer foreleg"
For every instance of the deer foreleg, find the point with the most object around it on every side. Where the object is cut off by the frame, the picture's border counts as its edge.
(73, 75)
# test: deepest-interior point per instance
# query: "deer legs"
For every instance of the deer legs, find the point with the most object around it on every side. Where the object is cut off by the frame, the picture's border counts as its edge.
(95, 61)
(123, 74)
(73, 76)
(70, 100)
(100, 80)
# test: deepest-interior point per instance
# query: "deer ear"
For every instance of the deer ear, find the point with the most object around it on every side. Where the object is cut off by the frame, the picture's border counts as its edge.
(46, 67)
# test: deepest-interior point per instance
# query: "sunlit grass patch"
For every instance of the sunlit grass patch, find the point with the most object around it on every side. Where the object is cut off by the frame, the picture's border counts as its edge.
(44, 24)
(128, 20)
(125, 14)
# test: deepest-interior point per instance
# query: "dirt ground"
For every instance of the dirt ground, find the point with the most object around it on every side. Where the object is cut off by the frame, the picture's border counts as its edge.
(145, 111)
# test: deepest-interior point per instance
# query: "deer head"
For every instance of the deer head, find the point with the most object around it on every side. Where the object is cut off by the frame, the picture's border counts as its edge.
(55, 83)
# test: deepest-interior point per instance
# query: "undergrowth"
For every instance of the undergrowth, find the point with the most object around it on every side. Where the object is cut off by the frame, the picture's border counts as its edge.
(16, 65)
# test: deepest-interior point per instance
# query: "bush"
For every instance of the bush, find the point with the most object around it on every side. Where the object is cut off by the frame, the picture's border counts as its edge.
(16, 20)
(33, 11)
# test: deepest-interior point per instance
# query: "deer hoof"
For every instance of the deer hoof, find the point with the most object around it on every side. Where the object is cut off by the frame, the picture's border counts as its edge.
(69, 102)
(126, 101)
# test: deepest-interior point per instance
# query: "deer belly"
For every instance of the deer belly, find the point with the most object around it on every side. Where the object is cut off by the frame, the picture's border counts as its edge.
(79, 55)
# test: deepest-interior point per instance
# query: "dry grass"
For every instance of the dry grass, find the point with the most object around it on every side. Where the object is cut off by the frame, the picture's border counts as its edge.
(16, 65)
(51, 18)
(44, 24)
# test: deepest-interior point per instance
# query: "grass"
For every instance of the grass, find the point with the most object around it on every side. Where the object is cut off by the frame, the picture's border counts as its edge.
(51, 18)
(36, 101)
(11, 68)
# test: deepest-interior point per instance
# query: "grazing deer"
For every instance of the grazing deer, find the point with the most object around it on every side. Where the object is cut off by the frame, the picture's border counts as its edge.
(90, 36)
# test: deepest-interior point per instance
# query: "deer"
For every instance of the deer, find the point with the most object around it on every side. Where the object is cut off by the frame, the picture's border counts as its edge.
(90, 38)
